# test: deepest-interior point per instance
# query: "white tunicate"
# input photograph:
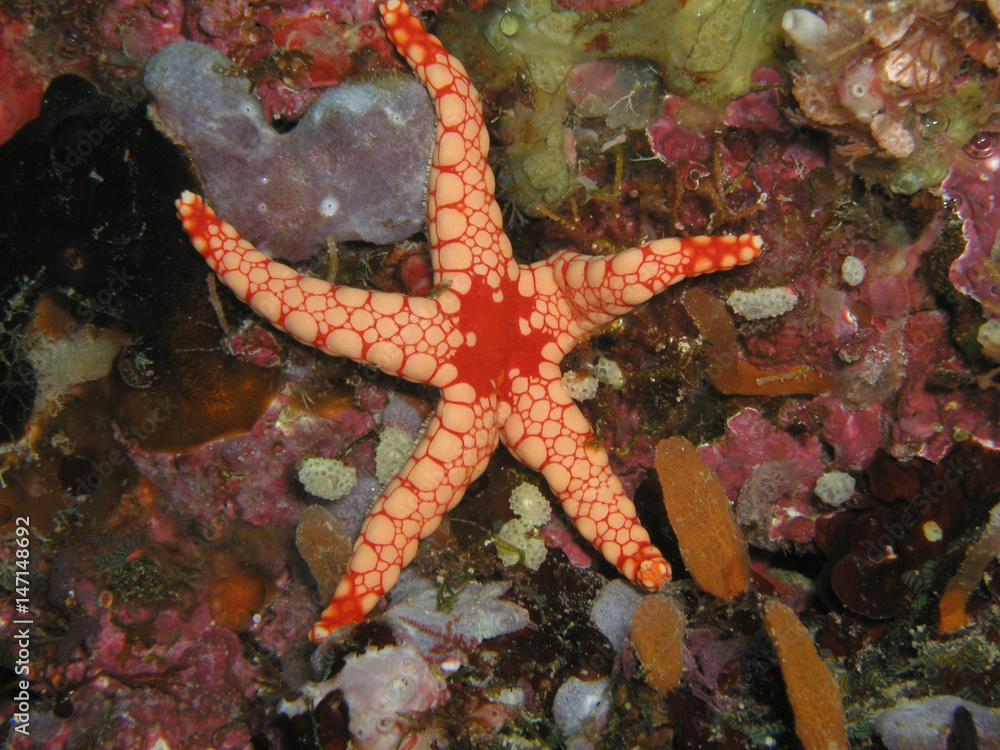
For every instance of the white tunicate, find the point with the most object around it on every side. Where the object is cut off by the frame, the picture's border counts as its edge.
(327, 478)
(810, 36)
(805, 28)
(517, 541)
(395, 446)
(852, 270)
(989, 338)
(762, 303)
(527, 501)
(835, 488)
(609, 373)
(581, 386)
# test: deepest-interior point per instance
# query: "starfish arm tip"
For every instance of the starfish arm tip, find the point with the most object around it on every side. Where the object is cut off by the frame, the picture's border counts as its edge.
(653, 574)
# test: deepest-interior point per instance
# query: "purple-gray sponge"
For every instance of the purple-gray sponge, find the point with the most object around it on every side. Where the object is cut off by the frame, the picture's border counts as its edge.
(353, 168)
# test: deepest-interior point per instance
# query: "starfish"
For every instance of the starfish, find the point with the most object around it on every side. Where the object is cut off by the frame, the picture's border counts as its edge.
(491, 339)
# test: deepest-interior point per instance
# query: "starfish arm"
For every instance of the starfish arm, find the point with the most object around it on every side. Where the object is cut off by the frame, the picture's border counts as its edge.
(601, 288)
(547, 432)
(453, 451)
(465, 227)
(406, 336)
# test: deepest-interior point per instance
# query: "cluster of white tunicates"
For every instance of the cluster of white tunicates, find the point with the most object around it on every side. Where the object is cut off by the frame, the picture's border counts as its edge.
(835, 488)
(518, 540)
(762, 303)
(581, 385)
(327, 478)
(395, 446)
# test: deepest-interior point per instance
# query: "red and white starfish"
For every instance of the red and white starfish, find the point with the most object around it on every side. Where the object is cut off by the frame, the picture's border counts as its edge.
(491, 341)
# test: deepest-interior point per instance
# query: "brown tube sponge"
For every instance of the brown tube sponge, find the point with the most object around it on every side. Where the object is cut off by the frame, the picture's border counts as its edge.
(658, 637)
(713, 548)
(816, 700)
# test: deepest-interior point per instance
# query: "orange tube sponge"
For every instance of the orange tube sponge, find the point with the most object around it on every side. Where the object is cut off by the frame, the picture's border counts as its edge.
(713, 548)
(658, 637)
(968, 576)
(816, 700)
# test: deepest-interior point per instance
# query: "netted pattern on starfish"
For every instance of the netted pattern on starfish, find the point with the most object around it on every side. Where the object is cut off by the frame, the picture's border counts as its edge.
(601, 288)
(491, 340)
(468, 247)
(405, 336)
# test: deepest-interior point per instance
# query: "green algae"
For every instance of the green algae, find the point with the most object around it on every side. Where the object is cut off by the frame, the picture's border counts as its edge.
(705, 50)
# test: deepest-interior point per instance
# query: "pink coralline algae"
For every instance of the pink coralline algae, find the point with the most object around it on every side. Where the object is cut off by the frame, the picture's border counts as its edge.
(249, 475)
(929, 420)
(769, 475)
(974, 183)
(189, 682)
(855, 434)
(293, 51)
(725, 160)
(22, 88)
